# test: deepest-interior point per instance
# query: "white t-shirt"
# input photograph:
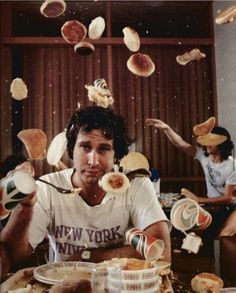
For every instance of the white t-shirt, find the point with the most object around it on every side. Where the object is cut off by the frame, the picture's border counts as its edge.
(217, 175)
(71, 224)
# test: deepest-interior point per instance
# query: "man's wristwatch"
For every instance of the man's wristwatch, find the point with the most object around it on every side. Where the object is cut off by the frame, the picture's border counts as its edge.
(86, 254)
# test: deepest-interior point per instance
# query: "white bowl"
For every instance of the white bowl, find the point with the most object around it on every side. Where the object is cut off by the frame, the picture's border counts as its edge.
(135, 274)
(133, 285)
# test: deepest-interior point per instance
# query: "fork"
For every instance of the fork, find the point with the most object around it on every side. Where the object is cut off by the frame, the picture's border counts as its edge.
(59, 189)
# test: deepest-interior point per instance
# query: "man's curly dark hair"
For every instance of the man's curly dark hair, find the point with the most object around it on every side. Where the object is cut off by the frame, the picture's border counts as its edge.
(112, 125)
(227, 146)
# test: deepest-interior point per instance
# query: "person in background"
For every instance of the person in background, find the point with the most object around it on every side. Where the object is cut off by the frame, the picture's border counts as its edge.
(10, 162)
(91, 225)
(220, 174)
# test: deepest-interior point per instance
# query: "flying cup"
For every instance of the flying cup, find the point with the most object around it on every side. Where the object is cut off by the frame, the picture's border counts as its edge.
(147, 245)
(186, 214)
(13, 189)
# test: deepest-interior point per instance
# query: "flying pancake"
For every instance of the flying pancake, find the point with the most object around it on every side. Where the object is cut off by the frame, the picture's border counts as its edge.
(96, 28)
(141, 64)
(18, 89)
(194, 54)
(35, 141)
(205, 127)
(84, 48)
(73, 31)
(211, 139)
(134, 161)
(53, 8)
(116, 182)
(57, 148)
(131, 39)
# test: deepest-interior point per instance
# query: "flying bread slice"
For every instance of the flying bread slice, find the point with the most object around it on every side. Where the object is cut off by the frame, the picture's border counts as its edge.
(131, 39)
(194, 54)
(141, 64)
(226, 16)
(35, 141)
(205, 127)
(18, 89)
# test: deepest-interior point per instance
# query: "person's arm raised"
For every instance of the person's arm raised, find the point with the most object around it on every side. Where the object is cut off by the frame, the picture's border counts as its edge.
(173, 137)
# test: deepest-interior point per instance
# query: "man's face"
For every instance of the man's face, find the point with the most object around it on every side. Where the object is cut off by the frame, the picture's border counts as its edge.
(93, 156)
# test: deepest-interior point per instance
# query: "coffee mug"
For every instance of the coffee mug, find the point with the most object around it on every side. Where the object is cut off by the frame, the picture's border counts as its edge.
(15, 187)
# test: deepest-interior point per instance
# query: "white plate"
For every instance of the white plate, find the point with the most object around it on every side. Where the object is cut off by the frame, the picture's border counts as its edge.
(57, 272)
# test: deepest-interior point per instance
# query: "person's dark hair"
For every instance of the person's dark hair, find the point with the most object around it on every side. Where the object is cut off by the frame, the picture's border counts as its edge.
(227, 146)
(112, 125)
(10, 162)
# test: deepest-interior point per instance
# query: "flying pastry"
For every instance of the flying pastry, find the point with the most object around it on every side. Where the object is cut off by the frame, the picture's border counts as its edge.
(53, 8)
(227, 15)
(35, 141)
(18, 89)
(194, 54)
(99, 93)
(73, 31)
(205, 127)
(131, 39)
(141, 64)
(96, 28)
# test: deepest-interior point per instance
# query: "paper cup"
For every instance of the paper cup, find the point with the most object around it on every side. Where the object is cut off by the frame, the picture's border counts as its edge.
(186, 214)
(14, 188)
(147, 245)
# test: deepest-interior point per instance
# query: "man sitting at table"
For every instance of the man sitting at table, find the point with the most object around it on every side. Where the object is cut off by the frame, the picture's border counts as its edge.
(91, 225)
(219, 169)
